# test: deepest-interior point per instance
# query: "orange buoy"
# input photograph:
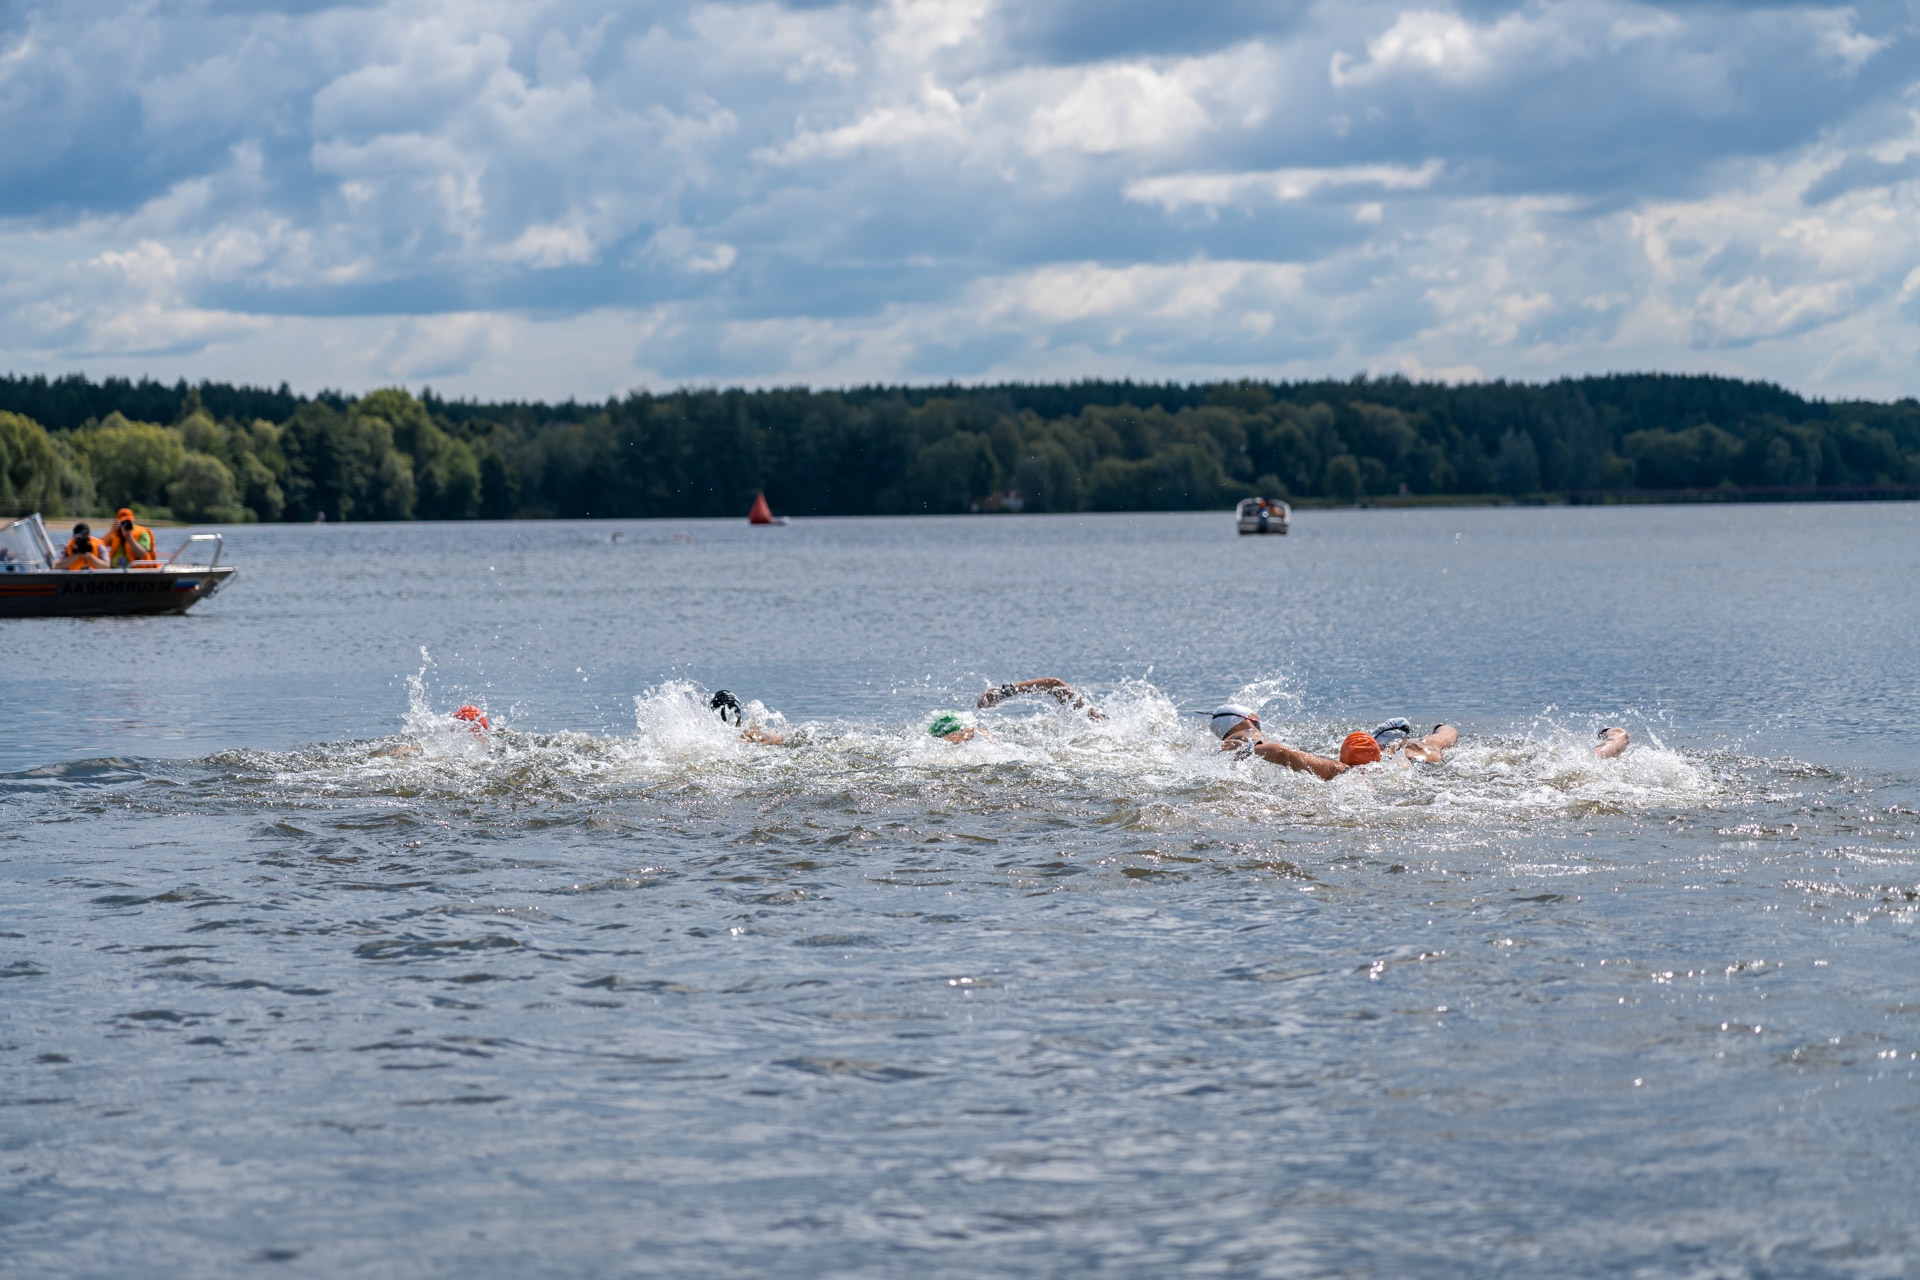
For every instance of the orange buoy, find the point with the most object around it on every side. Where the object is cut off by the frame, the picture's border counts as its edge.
(474, 716)
(761, 513)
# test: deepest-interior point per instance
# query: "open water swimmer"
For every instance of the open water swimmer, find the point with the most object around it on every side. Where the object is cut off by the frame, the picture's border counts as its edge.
(1238, 727)
(1059, 690)
(752, 726)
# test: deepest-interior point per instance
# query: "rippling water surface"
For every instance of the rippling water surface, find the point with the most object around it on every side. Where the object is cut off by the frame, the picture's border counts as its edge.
(299, 976)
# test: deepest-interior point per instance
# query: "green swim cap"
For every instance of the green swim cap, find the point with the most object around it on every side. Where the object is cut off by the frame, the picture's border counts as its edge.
(945, 723)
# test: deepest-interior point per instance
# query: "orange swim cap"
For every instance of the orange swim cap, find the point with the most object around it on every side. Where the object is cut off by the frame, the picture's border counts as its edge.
(1359, 748)
(473, 714)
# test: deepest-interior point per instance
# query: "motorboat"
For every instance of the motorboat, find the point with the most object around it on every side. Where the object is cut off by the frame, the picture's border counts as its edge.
(1258, 515)
(30, 586)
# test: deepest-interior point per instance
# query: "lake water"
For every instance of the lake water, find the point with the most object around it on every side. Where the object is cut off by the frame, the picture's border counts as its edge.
(297, 976)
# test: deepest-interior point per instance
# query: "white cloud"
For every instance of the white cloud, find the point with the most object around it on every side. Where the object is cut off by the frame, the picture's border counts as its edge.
(680, 248)
(1447, 47)
(546, 245)
(440, 345)
(1081, 292)
(1835, 31)
(1127, 107)
(1444, 45)
(1277, 186)
(572, 197)
(936, 116)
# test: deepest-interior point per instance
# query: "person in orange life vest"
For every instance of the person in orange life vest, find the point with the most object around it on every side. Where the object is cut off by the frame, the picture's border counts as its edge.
(130, 545)
(84, 551)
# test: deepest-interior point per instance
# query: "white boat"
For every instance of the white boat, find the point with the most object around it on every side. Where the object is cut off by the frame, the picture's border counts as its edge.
(30, 587)
(1257, 515)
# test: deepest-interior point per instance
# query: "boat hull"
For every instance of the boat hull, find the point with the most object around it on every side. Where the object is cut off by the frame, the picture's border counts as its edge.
(107, 592)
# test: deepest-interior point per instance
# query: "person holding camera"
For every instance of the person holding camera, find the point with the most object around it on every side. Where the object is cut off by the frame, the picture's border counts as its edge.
(130, 545)
(84, 551)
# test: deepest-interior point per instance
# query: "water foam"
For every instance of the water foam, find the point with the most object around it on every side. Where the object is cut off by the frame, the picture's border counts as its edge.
(1147, 761)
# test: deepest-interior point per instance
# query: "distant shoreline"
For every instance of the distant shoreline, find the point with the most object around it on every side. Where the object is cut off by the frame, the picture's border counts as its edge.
(1626, 497)
(216, 453)
(1385, 502)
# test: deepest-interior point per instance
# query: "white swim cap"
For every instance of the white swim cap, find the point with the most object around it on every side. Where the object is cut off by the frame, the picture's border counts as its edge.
(1223, 720)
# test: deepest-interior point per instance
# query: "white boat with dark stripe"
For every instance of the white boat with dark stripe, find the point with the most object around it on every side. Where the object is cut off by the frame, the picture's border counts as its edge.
(30, 586)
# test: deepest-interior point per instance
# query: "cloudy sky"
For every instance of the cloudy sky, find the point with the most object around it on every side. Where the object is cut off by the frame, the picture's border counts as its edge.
(577, 197)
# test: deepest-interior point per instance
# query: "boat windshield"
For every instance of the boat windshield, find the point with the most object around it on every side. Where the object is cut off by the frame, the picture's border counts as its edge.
(24, 546)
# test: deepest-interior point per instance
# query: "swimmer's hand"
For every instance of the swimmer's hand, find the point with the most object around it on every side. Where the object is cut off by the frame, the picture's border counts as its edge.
(994, 697)
(1062, 692)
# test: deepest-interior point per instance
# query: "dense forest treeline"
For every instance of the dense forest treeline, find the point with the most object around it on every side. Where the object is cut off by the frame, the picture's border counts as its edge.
(225, 453)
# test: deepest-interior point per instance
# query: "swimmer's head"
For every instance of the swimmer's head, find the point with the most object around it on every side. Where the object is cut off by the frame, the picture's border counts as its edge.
(1224, 721)
(474, 716)
(945, 723)
(1392, 732)
(725, 705)
(1359, 748)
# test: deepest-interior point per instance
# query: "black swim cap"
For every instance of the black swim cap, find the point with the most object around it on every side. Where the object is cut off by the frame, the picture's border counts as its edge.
(725, 705)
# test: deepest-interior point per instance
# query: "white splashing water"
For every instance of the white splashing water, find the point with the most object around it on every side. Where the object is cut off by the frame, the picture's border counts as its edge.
(438, 734)
(1146, 752)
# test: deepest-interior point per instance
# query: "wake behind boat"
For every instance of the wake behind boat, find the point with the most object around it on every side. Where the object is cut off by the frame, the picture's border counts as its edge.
(30, 586)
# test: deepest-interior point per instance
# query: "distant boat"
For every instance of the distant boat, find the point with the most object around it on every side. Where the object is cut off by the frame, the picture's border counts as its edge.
(762, 513)
(30, 587)
(1257, 515)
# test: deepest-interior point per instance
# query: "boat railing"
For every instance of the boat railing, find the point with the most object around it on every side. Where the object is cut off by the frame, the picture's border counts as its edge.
(219, 545)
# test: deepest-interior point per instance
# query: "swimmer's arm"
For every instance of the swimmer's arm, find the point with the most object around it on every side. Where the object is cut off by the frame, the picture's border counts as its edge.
(1432, 748)
(1300, 761)
(766, 736)
(1062, 692)
(1612, 742)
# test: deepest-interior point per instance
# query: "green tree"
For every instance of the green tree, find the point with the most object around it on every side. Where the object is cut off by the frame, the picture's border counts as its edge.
(1343, 479)
(132, 462)
(36, 474)
(499, 488)
(344, 466)
(1699, 457)
(1791, 458)
(1047, 480)
(445, 473)
(1516, 464)
(203, 490)
(951, 474)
